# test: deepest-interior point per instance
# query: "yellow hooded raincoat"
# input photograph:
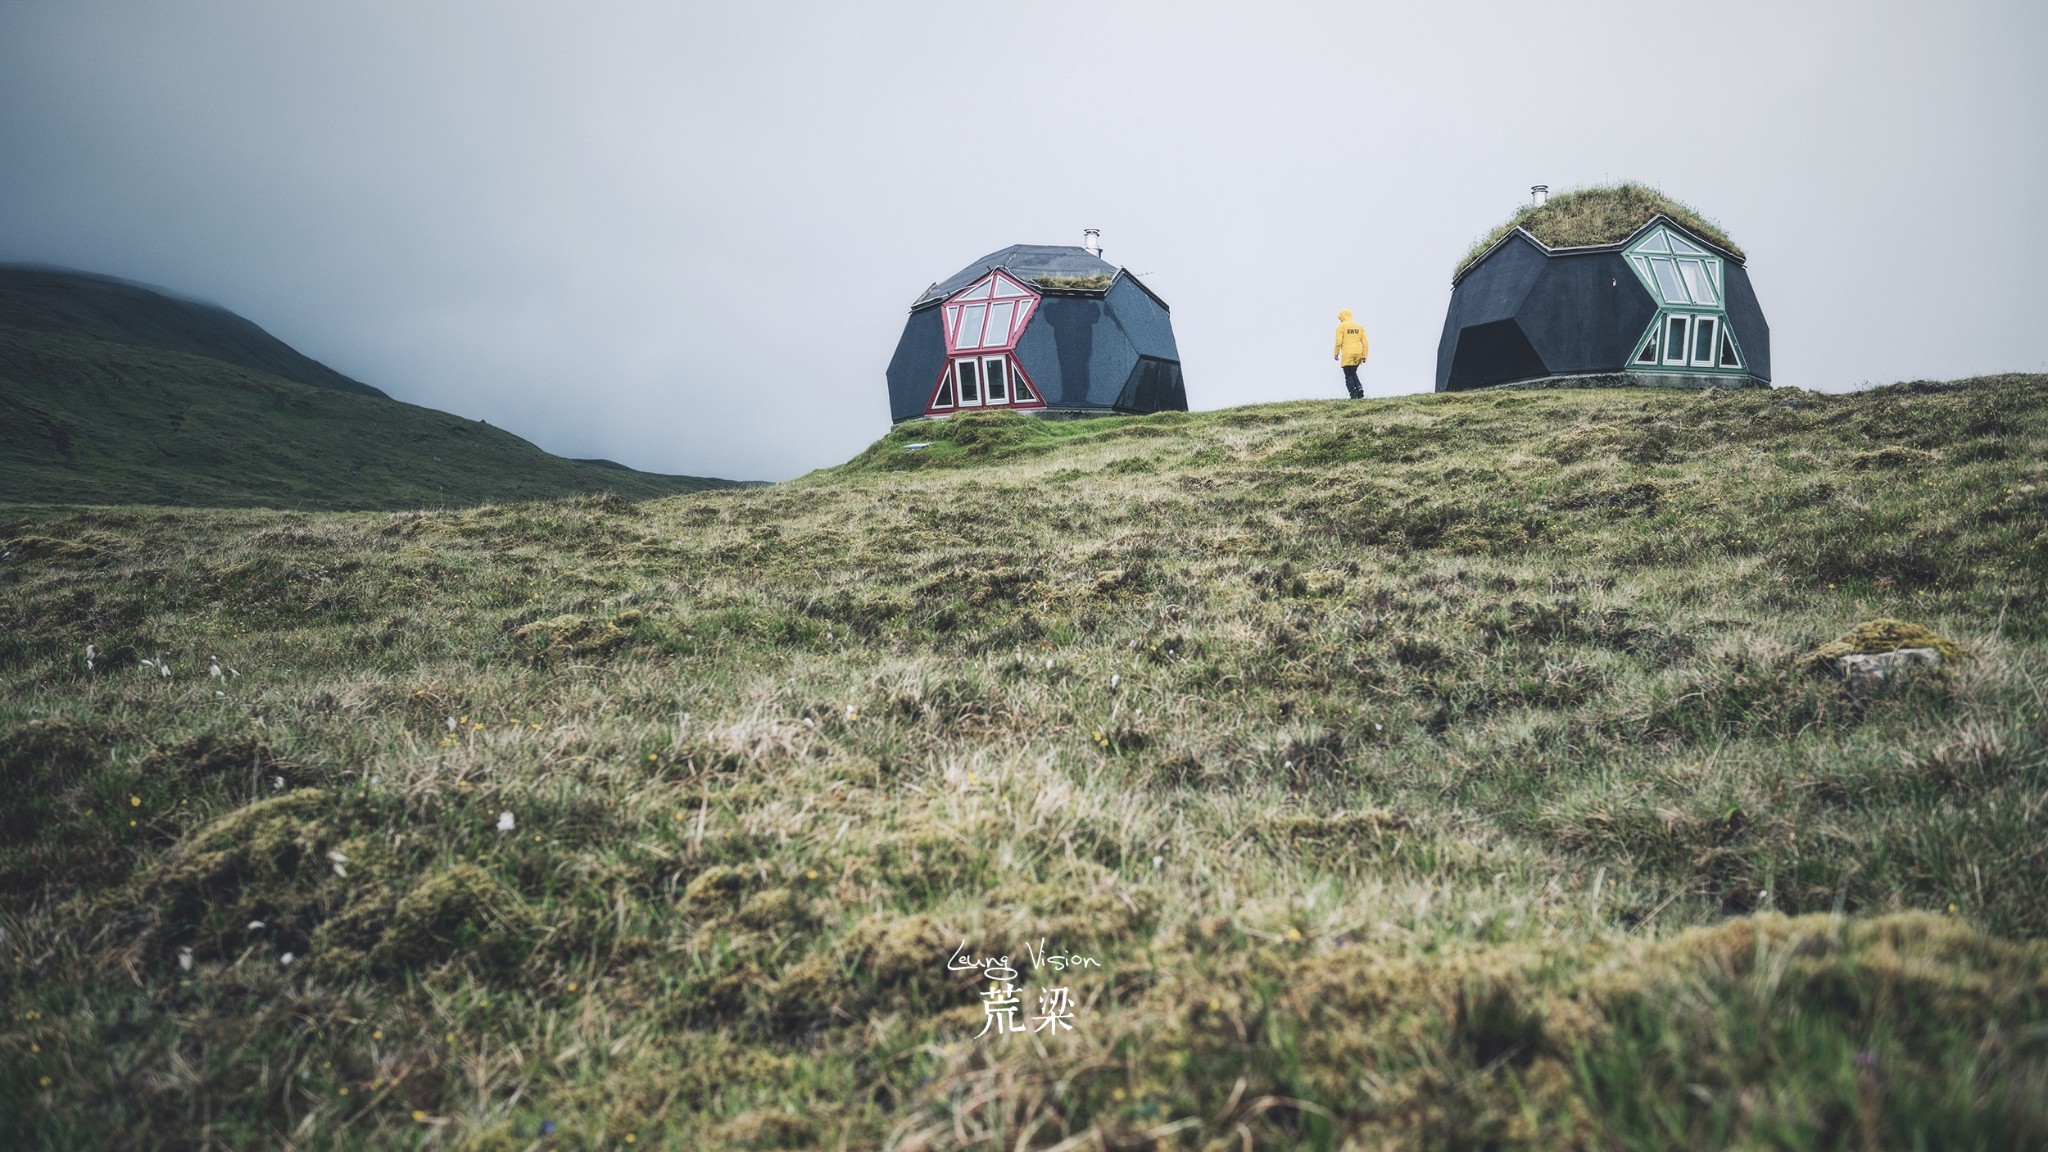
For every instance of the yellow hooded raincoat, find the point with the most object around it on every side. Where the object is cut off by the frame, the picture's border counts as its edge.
(1350, 340)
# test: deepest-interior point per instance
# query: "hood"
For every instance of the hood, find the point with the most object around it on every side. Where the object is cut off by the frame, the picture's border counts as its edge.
(1344, 317)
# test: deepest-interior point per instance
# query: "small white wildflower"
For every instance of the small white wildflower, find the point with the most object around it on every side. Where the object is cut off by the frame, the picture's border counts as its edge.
(1159, 861)
(277, 783)
(163, 668)
(451, 723)
(1114, 680)
(213, 668)
(337, 859)
(90, 652)
(1376, 728)
(1048, 663)
(218, 692)
(184, 959)
(232, 672)
(286, 960)
(1287, 764)
(507, 822)
(255, 925)
(145, 663)
(808, 724)
(850, 713)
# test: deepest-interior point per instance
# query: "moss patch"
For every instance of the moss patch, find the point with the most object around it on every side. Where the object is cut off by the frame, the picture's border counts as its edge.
(1875, 637)
(1600, 215)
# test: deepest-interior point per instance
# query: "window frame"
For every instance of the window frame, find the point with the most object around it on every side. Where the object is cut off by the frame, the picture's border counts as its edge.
(996, 289)
(988, 397)
(1684, 320)
(1729, 349)
(1693, 343)
(960, 399)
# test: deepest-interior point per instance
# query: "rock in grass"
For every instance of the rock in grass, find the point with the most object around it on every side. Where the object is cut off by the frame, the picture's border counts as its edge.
(1864, 671)
(1880, 637)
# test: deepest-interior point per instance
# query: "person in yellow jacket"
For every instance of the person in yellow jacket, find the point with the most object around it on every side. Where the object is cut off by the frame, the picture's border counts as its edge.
(1350, 352)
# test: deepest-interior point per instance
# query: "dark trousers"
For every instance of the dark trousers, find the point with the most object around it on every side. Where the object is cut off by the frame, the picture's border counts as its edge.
(1351, 383)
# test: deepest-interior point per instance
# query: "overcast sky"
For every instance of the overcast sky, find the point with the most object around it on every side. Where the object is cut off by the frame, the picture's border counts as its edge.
(685, 236)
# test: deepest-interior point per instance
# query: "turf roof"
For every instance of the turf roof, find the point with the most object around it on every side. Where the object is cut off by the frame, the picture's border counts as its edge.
(1603, 215)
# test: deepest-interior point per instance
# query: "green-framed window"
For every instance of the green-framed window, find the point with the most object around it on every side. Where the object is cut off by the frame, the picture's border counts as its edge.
(1690, 333)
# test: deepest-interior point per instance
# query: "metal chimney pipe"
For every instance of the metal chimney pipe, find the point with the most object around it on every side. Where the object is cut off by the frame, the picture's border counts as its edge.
(1091, 239)
(1539, 194)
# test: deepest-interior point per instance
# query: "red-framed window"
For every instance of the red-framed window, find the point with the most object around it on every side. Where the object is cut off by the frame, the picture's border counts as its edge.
(983, 323)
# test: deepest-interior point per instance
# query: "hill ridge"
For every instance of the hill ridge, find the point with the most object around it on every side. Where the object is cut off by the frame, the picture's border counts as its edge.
(120, 393)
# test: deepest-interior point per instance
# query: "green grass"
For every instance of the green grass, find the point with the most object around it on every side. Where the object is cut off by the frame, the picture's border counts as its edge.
(1598, 215)
(1441, 772)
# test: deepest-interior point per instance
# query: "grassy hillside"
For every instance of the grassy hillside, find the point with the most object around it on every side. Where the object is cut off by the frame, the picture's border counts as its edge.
(1443, 771)
(114, 394)
(119, 312)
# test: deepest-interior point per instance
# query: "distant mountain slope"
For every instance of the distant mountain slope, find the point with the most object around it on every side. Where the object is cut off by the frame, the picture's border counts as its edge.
(114, 393)
(54, 300)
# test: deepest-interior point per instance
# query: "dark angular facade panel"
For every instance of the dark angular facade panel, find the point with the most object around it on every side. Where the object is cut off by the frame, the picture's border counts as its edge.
(1586, 314)
(1495, 353)
(1746, 320)
(1492, 292)
(914, 369)
(1154, 386)
(1144, 321)
(1076, 353)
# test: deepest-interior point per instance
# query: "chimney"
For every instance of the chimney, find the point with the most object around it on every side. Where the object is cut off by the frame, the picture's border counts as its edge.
(1538, 194)
(1091, 239)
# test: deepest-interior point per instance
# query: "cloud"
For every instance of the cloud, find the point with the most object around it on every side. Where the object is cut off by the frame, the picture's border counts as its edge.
(685, 239)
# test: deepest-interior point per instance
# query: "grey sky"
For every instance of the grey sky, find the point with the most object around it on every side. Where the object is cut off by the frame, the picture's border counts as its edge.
(685, 236)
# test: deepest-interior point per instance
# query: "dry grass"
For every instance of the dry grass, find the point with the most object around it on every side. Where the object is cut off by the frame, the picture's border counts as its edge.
(1435, 772)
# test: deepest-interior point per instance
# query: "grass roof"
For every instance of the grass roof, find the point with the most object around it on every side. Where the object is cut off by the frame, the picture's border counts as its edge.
(1604, 215)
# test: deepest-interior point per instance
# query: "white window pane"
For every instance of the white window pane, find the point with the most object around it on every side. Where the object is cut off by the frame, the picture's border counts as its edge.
(1655, 243)
(945, 397)
(1668, 283)
(1704, 329)
(999, 323)
(977, 292)
(969, 335)
(1728, 357)
(998, 381)
(1684, 247)
(1024, 393)
(1023, 318)
(964, 372)
(1714, 275)
(1007, 287)
(1642, 266)
(1696, 282)
(1648, 353)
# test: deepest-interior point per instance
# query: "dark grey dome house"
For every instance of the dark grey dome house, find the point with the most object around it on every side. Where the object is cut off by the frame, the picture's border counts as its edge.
(1042, 328)
(1604, 286)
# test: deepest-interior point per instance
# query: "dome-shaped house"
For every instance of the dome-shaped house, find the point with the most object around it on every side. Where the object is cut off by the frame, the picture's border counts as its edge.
(1040, 328)
(1600, 286)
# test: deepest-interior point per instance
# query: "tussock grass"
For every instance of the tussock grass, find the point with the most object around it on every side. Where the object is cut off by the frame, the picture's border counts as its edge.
(1435, 772)
(1597, 215)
